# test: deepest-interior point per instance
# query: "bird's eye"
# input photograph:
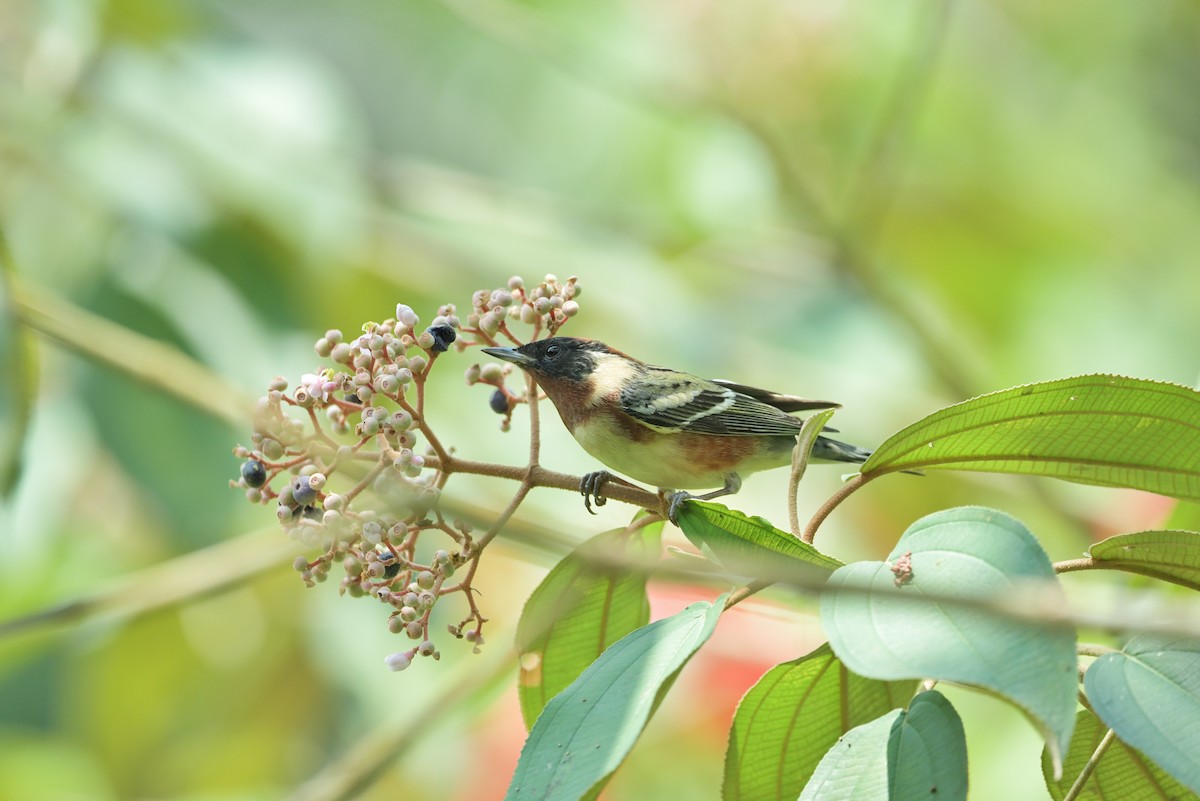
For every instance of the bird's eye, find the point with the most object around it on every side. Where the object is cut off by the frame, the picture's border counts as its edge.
(552, 350)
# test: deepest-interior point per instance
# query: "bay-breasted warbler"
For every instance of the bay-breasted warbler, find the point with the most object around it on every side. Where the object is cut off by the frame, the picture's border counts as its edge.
(669, 429)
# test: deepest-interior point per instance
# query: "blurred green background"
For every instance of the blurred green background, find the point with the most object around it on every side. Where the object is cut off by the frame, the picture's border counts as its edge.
(896, 205)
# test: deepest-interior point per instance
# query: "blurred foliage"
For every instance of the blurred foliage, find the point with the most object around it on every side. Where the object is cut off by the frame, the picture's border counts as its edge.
(891, 204)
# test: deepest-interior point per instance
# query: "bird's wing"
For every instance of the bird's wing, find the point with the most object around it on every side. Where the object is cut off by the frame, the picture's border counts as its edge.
(784, 403)
(688, 403)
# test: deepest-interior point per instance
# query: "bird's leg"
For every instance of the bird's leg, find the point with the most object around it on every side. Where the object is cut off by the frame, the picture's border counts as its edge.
(591, 487)
(733, 483)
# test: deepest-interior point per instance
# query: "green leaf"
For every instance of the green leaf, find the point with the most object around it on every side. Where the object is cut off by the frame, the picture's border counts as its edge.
(748, 545)
(794, 714)
(927, 753)
(1168, 555)
(1121, 774)
(586, 731)
(1094, 429)
(856, 768)
(975, 554)
(585, 603)
(1149, 693)
(902, 755)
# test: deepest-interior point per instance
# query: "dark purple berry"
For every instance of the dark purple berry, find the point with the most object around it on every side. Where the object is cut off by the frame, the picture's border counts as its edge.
(442, 335)
(499, 402)
(391, 565)
(302, 491)
(253, 473)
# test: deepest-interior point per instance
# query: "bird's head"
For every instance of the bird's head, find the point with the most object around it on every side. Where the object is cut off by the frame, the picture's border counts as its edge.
(578, 375)
(557, 359)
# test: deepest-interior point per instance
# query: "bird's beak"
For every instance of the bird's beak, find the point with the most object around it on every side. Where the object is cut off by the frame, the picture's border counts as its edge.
(511, 355)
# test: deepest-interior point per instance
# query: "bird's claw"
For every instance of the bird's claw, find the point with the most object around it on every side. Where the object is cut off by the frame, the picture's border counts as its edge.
(674, 501)
(591, 487)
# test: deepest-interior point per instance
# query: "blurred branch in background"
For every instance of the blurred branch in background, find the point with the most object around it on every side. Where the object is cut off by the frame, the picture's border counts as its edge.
(461, 695)
(852, 232)
(158, 366)
(21, 374)
(180, 580)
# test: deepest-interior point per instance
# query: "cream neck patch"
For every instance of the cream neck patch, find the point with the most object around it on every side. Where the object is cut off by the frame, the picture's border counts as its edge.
(610, 375)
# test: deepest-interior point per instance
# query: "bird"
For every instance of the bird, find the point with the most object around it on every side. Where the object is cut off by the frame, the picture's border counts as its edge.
(666, 428)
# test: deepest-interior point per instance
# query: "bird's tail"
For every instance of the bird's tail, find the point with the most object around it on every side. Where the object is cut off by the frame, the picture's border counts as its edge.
(832, 450)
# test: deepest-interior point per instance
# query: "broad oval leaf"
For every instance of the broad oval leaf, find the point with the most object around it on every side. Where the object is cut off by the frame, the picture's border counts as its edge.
(586, 730)
(1121, 772)
(748, 545)
(793, 715)
(927, 754)
(1094, 429)
(1168, 555)
(881, 624)
(1149, 694)
(588, 601)
(918, 753)
(856, 768)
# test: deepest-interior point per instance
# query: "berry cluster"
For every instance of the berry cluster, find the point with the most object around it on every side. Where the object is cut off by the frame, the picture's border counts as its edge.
(357, 425)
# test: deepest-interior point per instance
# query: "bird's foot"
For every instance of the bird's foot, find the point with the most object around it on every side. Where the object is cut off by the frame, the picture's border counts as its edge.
(591, 487)
(674, 501)
(733, 483)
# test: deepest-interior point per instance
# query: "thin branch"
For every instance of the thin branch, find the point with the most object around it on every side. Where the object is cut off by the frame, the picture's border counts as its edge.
(538, 476)
(800, 456)
(844, 492)
(535, 423)
(1094, 649)
(1090, 767)
(1072, 565)
(744, 592)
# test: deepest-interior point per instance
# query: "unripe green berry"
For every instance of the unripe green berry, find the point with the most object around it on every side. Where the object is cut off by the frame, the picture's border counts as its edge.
(414, 630)
(425, 579)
